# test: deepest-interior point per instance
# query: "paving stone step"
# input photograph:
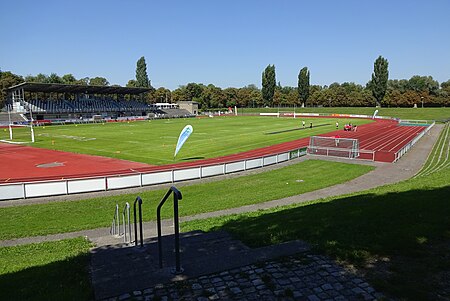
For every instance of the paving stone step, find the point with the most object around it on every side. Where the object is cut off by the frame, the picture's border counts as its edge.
(115, 269)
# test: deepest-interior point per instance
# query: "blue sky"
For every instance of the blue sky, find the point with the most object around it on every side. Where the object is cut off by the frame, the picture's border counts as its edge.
(226, 43)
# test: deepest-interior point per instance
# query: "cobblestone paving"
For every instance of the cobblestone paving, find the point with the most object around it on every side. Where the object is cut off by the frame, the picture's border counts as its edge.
(300, 277)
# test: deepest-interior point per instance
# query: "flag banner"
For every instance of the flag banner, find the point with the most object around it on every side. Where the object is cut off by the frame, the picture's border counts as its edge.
(375, 114)
(184, 135)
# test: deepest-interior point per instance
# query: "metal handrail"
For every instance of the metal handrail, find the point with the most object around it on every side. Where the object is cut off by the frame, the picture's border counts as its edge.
(126, 223)
(176, 196)
(138, 200)
(115, 226)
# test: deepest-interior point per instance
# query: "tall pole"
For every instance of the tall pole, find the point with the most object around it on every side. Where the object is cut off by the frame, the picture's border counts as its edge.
(31, 117)
(9, 117)
(421, 98)
(31, 126)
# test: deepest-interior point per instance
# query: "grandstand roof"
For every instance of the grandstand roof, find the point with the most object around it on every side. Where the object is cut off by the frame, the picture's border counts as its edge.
(61, 88)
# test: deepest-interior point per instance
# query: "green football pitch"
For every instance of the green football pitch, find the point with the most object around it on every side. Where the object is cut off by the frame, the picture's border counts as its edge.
(154, 141)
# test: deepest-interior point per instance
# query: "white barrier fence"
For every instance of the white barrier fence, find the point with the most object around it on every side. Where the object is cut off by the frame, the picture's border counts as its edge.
(410, 144)
(72, 186)
(294, 114)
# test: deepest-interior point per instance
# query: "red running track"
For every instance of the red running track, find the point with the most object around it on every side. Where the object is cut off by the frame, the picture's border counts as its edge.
(21, 163)
(384, 138)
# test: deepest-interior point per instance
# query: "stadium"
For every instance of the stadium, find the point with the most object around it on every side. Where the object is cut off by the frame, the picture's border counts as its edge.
(212, 150)
(96, 160)
(53, 121)
(99, 156)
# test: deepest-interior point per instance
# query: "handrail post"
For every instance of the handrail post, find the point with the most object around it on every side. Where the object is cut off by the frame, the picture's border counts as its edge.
(126, 222)
(117, 220)
(129, 223)
(177, 234)
(176, 196)
(141, 232)
(138, 200)
(115, 223)
(158, 224)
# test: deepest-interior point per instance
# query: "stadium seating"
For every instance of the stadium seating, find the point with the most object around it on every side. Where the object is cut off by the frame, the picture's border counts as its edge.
(176, 113)
(86, 105)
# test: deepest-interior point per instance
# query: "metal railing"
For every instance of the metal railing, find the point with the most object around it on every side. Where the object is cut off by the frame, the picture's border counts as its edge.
(115, 225)
(176, 196)
(410, 144)
(121, 225)
(126, 225)
(138, 200)
(333, 152)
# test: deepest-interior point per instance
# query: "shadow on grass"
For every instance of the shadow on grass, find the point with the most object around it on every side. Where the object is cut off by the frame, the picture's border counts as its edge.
(192, 158)
(401, 227)
(60, 280)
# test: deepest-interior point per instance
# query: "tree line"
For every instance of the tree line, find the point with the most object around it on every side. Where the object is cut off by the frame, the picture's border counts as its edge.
(379, 90)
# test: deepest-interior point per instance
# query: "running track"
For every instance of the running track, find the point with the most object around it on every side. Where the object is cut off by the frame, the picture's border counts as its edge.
(20, 163)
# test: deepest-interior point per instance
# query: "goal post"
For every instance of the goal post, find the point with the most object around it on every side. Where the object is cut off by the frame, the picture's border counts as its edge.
(334, 146)
(287, 111)
(17, 133)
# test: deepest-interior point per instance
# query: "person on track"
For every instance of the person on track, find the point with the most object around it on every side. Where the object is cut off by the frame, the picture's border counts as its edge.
(336, 140)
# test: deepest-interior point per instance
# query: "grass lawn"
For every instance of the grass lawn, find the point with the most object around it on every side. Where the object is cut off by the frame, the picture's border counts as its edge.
(33, 220)
(439, 158)
(404, 113)
(398, 234)
(46, 271)
(154, 141)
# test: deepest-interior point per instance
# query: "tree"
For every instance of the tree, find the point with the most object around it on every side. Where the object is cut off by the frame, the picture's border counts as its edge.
(83, 81)
(231, 96)
(69, 79)
(268, 85)
(131, 83)
(54, 79)
(446, 85)
(303, 85)
(180, 94)
(162, 95)
(7, 79)
(98, 81)
(194, 90)
(141, 74)
(423, 84)
(380, 77)
(212, 97)
(39, 78)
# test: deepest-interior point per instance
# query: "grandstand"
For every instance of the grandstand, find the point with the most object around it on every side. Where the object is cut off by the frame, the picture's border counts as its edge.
(68, 102)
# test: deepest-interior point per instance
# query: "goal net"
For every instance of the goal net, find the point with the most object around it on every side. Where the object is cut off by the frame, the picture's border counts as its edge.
(287, 112)
(334, 146)
(17, 134)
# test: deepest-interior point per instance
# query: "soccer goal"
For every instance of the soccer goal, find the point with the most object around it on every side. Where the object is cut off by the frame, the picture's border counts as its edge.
(334, 146)
(287, 112)
(17, 134)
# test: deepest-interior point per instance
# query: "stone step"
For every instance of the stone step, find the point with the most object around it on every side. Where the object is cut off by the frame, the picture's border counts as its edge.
(115, 269)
